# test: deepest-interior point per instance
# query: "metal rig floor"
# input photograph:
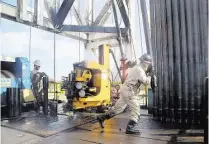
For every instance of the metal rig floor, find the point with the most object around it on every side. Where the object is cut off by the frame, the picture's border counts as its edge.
(114, 132)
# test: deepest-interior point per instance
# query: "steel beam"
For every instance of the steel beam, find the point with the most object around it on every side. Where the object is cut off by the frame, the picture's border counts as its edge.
(124, 13)
(9, 12)
(89, 29)
(63, 11)
(110, 40)
(104, 38)
(103, 15)
(77, 16)
(51, 12)
(22, 10)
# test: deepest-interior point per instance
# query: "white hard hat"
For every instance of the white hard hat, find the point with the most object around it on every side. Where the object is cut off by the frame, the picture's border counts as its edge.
(37, 62)
(146, 58)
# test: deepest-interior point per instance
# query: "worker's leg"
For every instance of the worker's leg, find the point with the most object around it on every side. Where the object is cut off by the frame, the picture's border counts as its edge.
(119, 107)
(133, 103)
(36, 100)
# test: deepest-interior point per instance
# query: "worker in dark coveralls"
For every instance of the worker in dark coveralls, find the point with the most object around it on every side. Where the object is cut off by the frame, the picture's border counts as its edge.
(137, 75)
(37, 85)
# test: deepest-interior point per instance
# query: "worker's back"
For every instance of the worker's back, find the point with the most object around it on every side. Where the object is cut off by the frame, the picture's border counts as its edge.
(134, 75)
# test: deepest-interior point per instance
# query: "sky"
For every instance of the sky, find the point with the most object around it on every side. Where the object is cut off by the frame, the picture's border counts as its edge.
(16, 42)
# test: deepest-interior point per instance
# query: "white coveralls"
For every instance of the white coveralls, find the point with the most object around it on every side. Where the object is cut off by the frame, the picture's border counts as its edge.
(128, 92)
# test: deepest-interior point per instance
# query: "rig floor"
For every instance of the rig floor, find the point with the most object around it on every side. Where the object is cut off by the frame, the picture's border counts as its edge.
(79, 131)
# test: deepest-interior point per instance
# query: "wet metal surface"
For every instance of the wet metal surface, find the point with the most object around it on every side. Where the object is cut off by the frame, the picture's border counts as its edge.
(11, 136)
(114, 132)
(45, 125)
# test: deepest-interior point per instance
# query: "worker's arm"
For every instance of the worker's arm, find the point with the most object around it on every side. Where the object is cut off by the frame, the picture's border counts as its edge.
(142, 77)
(153, 82)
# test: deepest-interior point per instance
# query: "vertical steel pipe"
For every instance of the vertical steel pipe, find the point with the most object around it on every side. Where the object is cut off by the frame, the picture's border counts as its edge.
(203, 44)
(165, 62)
(190, 59)
(153, 46)
(177, 54)
(13, 102)
(170, 60)
(180, 47)
(159, 62)
(205, 38)
(196, 36)
(160, 58)
(184, 70)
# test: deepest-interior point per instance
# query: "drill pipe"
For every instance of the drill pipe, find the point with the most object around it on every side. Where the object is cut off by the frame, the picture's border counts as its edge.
(177, 54)
(158, 41)
(203, 48)
(153, 42)
(184, 70)
(196, 59)
(170, 60)
(190, 58)
(165, 63)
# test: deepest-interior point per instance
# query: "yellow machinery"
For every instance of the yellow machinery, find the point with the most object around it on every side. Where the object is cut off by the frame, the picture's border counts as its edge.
(88, 85)
(60, 94)
(55, 91)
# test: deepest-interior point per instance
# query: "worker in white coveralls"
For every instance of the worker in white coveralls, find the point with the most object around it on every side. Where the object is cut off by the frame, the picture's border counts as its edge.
(128, 96)
(37, 87)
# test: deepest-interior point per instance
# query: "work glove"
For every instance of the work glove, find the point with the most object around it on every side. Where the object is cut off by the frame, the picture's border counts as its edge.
(43, 74)
(149, 71)
(153, 82)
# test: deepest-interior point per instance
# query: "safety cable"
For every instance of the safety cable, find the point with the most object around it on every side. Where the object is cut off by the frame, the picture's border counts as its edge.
(79, 36)
(89, 13)
(79, 48)
(79, 43)
(30, 35)
(132, 44)
(140, 33)
(30, 45)
(55, 91)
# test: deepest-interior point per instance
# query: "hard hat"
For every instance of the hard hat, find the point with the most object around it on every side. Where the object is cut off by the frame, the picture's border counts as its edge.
(37, 62)
(146, 58)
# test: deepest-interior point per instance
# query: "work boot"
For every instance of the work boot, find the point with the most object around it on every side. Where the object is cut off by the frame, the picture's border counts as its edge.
(132, 128)
(101, 118)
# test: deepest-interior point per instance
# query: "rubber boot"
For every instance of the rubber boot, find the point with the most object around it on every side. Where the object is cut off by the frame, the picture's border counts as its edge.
(132, 128)
(101, 118)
